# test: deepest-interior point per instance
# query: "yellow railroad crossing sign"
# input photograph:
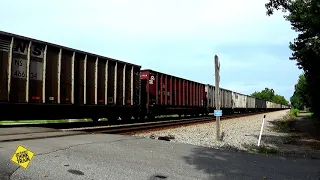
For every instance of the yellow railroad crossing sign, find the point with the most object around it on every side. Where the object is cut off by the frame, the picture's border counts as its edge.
(22, 156)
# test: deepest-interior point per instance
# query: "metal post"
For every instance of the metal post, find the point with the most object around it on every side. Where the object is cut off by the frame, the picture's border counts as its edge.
(217, 94)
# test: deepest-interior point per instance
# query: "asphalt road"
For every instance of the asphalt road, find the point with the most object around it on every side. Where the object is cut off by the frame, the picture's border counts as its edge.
(102, 156)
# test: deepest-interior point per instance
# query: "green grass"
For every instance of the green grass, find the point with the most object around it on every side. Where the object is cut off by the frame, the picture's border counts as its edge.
(7, 122)
(166, 116)
(40, 121)
(260, 149)
(310, 114)
(294, 112)
(266, 150)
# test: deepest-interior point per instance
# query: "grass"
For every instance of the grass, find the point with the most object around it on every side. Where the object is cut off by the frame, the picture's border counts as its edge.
(266, 150)
(165, 116)
(6, 122)
(294, 112)
(310, 114)
(284, 124)
(41, 121)
(262, 149)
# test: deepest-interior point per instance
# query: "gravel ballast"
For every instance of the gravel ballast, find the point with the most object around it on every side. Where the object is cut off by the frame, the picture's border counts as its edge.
(237, 133)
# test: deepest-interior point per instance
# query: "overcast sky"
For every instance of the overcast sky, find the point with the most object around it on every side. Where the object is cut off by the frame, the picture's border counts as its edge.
(178, 37)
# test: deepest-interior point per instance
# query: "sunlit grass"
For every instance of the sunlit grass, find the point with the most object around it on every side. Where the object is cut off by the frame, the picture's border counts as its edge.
(294, 112)
(43, 121)
(7, 122)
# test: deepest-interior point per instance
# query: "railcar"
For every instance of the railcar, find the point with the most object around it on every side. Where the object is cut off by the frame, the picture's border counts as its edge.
(239, 102)
(164, 94)
(225, 99)
(270, 105)
(273, 106)
(41, 80)
(251, 104)
(261, 105)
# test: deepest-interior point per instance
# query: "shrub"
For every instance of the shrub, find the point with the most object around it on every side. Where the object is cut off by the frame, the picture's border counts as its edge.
(294, 112)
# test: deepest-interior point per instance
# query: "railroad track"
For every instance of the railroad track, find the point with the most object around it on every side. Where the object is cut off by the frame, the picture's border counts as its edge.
(152, 126)
(74, 125)
(127, 129)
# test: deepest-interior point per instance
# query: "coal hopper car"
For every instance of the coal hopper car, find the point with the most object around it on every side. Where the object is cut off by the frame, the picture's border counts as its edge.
(164, 94)
(41, 80)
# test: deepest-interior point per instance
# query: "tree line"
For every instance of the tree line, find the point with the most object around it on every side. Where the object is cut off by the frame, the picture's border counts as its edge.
(304, 16)
(269, 95)
(300, 97)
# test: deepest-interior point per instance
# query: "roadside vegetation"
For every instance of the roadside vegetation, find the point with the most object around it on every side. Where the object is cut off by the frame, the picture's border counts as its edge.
(297, 133)
(285, 124)
(43, 121)
(7, 122)
(263, 149)
(294, 113)
(304, 18)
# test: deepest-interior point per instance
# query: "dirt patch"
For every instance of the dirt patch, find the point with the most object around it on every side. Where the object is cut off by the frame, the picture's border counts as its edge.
(302, 134)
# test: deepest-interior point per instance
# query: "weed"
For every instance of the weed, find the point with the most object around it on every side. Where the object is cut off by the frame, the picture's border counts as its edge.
(260, 149)
(267, 150)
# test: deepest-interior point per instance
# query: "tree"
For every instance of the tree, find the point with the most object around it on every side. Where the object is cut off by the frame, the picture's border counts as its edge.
(296, 101)
(279, 100)
(266, 94)
(304, 16)
(269, 95)
(300, 97)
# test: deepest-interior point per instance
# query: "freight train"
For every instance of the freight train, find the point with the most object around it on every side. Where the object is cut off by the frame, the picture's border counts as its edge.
(41, 80)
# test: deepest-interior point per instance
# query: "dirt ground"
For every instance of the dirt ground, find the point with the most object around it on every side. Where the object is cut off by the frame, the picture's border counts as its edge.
(303, 135)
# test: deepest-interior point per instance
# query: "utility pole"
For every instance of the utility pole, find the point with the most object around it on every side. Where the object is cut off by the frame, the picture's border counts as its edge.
(218, 113)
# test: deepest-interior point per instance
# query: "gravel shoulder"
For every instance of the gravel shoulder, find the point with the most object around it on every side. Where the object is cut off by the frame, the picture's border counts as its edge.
(239, 134)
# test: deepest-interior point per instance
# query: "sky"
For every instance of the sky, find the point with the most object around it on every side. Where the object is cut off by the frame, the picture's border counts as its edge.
(179, 37)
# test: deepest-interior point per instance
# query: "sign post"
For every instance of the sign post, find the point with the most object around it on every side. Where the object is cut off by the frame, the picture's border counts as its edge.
(217, 112)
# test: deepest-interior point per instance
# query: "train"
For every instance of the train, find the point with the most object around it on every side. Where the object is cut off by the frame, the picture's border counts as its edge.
(42, 80)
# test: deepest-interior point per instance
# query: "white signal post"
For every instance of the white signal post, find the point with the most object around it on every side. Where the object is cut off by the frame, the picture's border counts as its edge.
(261, 130)
(217, 112)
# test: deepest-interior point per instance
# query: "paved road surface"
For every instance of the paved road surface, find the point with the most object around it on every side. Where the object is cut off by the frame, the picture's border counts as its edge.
(101, 156)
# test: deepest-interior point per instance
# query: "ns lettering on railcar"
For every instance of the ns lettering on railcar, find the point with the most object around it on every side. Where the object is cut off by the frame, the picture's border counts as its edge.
(48, 81)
